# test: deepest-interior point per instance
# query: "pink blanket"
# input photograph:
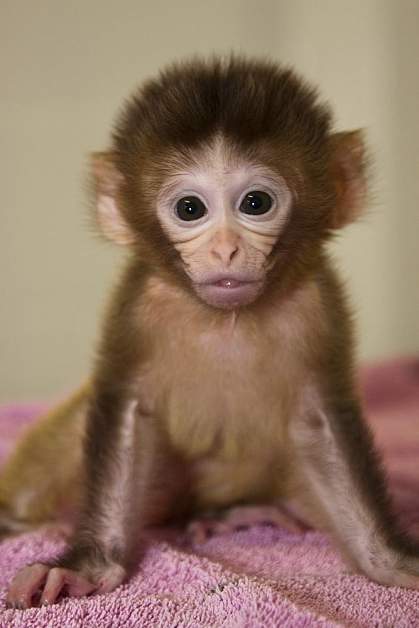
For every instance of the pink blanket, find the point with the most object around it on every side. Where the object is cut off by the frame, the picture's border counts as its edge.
(258, 577)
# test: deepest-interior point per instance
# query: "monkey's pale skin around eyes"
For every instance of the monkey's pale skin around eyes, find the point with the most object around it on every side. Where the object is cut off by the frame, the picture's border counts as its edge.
(224, 374)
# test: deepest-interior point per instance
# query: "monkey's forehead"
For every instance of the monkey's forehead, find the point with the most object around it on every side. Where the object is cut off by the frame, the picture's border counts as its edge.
(244, 100)
(218, 161)
(215, 162)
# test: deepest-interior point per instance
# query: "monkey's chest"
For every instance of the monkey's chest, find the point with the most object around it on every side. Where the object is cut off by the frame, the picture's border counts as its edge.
(225, 403)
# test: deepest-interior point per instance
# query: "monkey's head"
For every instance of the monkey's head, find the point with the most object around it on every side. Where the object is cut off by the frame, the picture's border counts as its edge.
(226, 175)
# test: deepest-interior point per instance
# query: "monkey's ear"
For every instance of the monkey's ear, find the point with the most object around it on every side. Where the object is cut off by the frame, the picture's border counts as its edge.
(107, 181)
(349, 172)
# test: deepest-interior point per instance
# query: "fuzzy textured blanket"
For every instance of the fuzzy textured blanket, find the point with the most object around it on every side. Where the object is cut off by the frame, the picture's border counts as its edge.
(259, 577)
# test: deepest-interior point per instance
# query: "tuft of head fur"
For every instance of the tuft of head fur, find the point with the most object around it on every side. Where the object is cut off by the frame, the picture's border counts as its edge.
(244, 100)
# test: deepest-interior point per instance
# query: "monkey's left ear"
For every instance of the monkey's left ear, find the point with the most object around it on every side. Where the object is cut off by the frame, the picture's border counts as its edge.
(348, 165)
(107, 182)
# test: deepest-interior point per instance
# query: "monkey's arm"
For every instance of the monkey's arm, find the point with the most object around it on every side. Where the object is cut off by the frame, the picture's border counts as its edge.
(41, 479)
(342, 473)
(100, 552)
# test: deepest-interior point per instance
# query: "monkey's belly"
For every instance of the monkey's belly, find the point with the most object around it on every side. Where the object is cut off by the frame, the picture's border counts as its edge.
(235, 451)
(217, 483)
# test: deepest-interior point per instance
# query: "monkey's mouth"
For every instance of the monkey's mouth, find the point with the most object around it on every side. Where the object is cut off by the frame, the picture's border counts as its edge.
(229, 292)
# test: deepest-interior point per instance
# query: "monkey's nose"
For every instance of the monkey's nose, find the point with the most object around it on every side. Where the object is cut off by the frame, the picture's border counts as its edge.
(225, 247)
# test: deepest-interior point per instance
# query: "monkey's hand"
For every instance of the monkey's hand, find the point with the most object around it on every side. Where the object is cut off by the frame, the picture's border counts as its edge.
(43, 584)
(344, 474)
(101, 548)
(393, 568)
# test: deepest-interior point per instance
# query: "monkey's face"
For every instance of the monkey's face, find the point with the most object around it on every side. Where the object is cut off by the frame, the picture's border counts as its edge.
(223, 215)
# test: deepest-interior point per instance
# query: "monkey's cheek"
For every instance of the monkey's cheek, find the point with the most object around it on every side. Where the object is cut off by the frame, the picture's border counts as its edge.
(229, 298)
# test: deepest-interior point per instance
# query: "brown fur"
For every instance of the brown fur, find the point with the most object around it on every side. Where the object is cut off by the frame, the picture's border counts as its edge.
(193, 407)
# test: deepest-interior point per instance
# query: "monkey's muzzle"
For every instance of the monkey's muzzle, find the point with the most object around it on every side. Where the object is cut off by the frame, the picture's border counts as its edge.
(229, 292)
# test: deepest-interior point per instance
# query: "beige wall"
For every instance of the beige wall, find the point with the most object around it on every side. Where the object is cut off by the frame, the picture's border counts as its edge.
(65, 68)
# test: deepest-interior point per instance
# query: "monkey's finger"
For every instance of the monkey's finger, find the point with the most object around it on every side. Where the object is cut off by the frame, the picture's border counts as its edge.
(27, 582)
(60, 580)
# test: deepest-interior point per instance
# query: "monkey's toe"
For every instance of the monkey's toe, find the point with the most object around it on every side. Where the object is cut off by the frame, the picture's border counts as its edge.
(200, 530)
(279, 516)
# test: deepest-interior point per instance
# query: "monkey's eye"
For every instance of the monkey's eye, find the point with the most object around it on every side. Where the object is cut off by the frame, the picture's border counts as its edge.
(256, 203)
(190, 208)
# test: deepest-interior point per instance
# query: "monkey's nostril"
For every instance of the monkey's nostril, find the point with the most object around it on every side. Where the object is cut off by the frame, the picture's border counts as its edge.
(225, 253)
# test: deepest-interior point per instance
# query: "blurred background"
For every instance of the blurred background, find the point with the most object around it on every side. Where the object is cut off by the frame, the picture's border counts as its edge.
(66, 68)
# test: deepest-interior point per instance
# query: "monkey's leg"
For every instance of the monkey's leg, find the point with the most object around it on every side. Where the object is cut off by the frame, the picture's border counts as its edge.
(343, 475)
(127, 489)
(42, 478)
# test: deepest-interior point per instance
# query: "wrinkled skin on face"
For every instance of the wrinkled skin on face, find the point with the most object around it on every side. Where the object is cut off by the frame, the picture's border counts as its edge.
(223, 217)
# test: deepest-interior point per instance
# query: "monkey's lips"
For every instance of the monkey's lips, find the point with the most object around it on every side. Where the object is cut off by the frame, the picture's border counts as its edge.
(229, 292)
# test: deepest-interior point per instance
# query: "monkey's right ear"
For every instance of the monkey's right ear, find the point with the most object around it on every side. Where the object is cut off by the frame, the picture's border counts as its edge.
(107, 181)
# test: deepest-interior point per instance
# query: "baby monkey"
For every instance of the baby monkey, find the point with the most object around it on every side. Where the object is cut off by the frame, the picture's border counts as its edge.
(225, 371)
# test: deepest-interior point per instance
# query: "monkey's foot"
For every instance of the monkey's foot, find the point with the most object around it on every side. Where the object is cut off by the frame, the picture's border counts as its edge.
(240, 517)
(11, 525)
(41, 584)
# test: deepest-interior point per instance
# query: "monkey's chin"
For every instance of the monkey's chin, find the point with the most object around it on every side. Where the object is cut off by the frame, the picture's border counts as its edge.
(229, 294)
